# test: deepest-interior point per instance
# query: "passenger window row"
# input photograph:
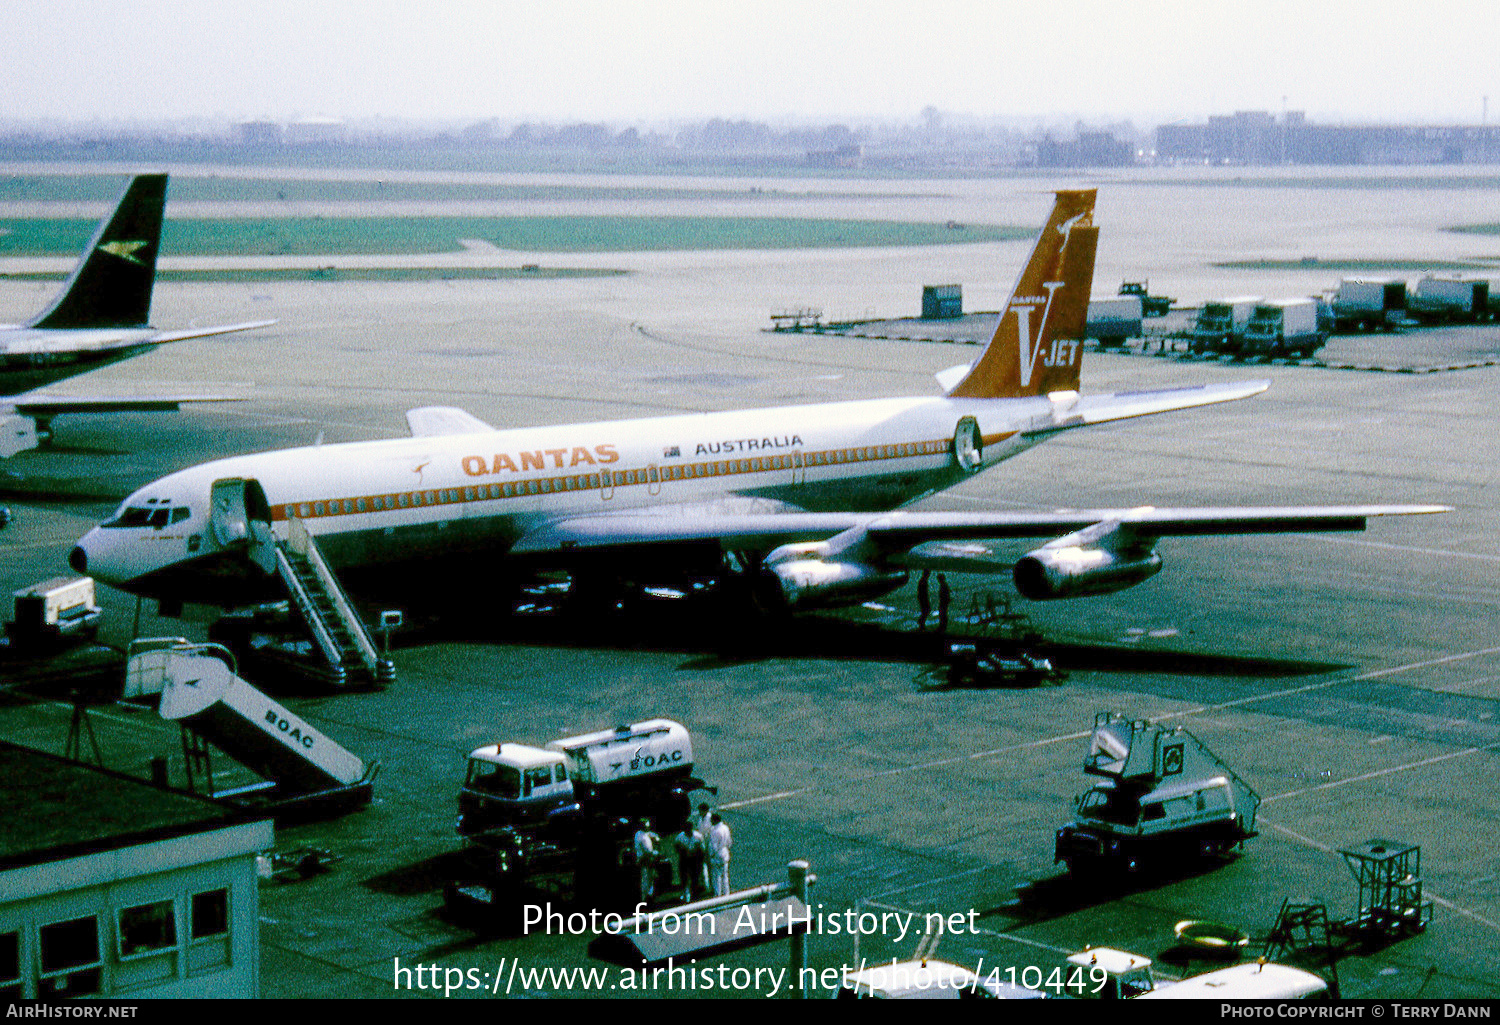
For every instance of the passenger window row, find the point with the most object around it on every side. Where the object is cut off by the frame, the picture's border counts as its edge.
(604, 479)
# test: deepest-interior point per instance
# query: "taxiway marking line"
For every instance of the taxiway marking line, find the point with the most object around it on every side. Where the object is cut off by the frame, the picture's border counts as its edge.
(1479, 556)
(1200, 710)
(1382, 772)
(903, 769)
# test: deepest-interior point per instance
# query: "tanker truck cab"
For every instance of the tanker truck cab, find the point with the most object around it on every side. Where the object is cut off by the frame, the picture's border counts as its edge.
(632, 771)
(513, 785)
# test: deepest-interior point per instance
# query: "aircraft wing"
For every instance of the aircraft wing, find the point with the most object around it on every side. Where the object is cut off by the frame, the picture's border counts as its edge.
(884, 535)
(163, 337)
(45, 406)
(24, 420)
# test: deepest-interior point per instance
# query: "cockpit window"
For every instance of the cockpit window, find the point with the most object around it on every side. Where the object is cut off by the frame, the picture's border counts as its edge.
(131, 517)
(150, 515)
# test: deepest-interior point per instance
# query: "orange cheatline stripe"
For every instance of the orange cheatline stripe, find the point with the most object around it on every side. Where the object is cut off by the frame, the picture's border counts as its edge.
(426, 497)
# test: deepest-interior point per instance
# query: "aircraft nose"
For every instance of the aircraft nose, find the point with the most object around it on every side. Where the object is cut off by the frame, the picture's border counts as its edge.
(79, 560)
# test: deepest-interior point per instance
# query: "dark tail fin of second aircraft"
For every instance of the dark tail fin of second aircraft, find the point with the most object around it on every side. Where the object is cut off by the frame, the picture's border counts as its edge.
(111, 286)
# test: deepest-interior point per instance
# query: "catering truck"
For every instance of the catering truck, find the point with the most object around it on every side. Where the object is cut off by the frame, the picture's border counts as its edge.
(1114, 318)
(1163, 798)
(1449, 298)
(1220, 326)
(1283, 327)
(567, 812)
(1368, 304)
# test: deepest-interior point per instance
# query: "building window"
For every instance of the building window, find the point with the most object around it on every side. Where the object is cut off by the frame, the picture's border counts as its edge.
(210, 931)
(70, 958)
(147, 929)
(10, 966)
(210, 914)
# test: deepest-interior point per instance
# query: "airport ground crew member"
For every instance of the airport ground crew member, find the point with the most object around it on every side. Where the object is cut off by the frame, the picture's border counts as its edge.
(705, 824)
(719, 842)
(645, 847)
(692, 862)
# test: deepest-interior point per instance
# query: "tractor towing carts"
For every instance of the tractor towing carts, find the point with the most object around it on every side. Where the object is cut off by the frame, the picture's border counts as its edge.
(565, 815)
(1164, 798)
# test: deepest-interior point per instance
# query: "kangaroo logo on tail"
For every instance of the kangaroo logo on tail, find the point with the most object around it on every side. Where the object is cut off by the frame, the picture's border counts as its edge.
(1051, 296)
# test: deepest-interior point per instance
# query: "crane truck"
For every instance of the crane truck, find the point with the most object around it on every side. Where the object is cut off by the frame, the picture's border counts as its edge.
(1163, 796)
(566, 813)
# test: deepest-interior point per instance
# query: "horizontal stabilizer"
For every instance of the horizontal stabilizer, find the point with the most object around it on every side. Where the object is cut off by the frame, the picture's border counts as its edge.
(948, 379)
(1098, 409)
(163, 337)
(433, 421)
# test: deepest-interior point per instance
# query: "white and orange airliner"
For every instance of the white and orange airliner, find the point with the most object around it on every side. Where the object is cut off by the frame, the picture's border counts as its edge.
(801, 500)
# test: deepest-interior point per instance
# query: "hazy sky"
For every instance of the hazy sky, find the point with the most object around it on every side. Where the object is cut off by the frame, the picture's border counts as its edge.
(642, 61)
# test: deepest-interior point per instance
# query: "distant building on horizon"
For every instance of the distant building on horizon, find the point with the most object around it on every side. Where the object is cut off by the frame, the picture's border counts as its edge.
(259, 133)
(1089, 149)
(1255, 137)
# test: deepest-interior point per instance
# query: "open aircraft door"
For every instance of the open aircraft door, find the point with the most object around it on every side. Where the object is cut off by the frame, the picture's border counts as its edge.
(968, 445)
(241, 517)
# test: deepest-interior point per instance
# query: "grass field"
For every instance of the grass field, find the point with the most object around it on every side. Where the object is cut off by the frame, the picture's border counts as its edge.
(319, 236)
(91, 188)
(356, 274)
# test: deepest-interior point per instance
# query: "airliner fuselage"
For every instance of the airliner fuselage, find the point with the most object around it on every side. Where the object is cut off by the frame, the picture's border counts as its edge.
(396, 503)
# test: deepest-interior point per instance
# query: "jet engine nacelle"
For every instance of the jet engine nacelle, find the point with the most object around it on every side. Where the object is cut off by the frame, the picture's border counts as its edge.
(800, 579)
(1077, 572)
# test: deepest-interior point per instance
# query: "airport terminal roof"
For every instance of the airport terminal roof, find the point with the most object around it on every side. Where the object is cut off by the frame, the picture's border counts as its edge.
(52, 808)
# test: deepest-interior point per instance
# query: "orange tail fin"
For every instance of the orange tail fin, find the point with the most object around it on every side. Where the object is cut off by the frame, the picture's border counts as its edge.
(1037, 347)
